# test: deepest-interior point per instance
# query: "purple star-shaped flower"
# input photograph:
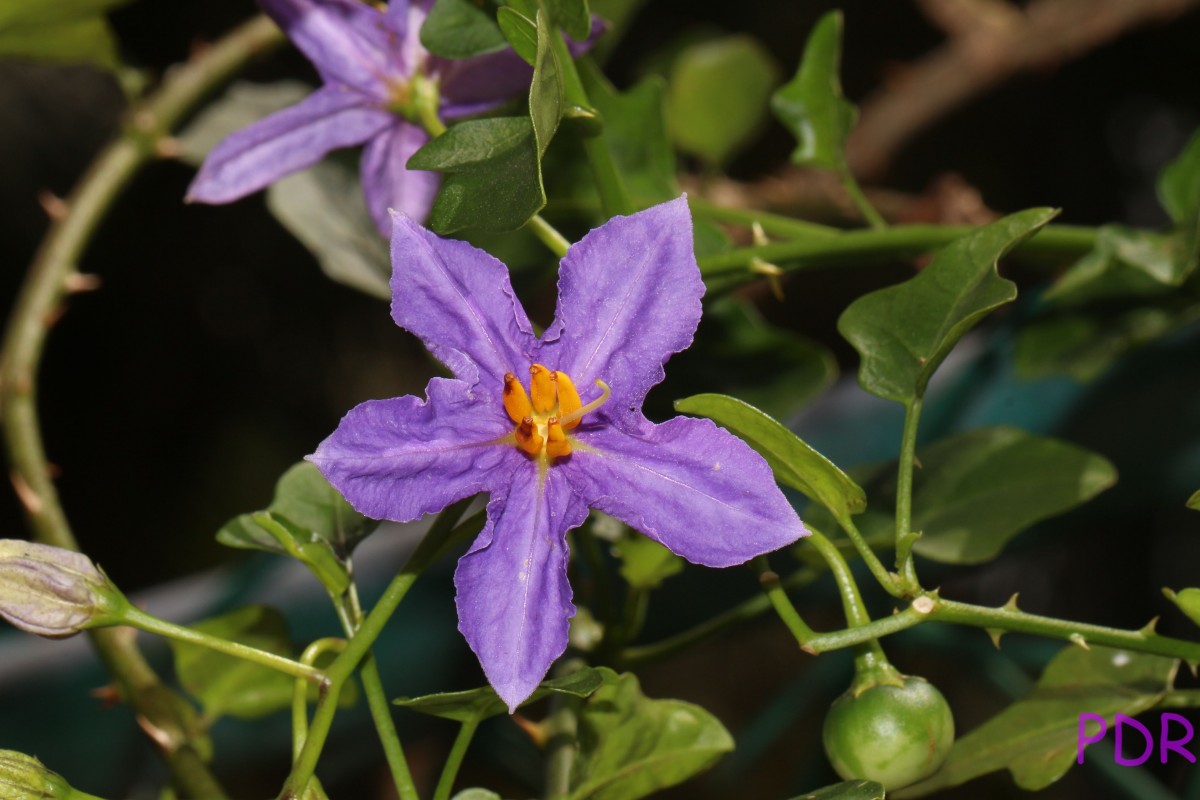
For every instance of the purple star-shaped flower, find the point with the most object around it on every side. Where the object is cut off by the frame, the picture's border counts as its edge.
(629, 297)
(373, 64)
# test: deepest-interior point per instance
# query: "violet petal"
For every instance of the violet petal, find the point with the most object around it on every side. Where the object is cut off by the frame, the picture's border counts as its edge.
(285, 142)
(514, 600)
(401, 458)
(695, 488)
(388, 184)
(628, 298)
(459, 301)
(348, 41)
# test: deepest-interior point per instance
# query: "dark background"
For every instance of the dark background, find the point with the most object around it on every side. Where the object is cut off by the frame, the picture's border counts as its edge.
(216, 354)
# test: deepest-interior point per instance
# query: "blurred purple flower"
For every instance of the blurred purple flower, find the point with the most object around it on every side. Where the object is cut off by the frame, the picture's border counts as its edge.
(375, 72)
(629, 297)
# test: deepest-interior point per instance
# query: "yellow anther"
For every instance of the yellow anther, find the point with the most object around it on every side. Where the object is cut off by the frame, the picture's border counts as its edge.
(556, 439)
(567, 420)
(541, 389)
(516, 402)
(568, 397)
(528, 438)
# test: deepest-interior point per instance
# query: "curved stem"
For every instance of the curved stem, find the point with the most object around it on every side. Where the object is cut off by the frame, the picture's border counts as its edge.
(771, 585)
(905, 538)
(887, 580)
(873, 217)
(454, 760)
(856, 612)
(46, 284)
(773, 224)
(300, 690)
(547, 234)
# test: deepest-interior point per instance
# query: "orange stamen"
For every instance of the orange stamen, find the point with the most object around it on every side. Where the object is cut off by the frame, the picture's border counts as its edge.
(528, 438)
(568, 397)
(541, 389)
(516, 402)
(556, 439)
(567, 419)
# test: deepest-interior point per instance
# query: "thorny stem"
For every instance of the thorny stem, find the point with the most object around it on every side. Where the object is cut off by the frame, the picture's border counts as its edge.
(49, 280)
(773, 224)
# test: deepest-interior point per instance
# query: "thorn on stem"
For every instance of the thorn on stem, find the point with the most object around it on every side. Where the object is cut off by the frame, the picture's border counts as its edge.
(1077, 638)
(25, 493)
(995, 633)
(80, 282)
(1011, 605)
(55, 207)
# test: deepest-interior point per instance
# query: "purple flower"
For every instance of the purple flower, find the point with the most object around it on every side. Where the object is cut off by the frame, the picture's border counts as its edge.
(629, 297)
(376, 75)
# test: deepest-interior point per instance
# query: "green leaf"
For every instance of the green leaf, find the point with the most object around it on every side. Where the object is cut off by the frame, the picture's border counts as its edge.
(795, 463)
(65, 31)
(718, 96)
(242, 104)
(1122, 263)
(1194, 501)
(1036, 738)
(546, 93)
(493, 179)
(811, 105)
(460, 29)
(1188, 601)
(476, 794)
(645, 563)
(977, 490)
(847, 790)
(572, 16)
(225, 685)
(306, 500)
(631, 746)
(1179, 183)
(323, 208)
(520, 31)
(479, 704)
(903, 332)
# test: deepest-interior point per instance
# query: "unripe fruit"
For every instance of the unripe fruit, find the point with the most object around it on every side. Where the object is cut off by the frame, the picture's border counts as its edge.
(895, 734)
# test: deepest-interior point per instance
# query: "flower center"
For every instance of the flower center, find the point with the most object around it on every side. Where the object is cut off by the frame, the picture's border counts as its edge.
(550, 409)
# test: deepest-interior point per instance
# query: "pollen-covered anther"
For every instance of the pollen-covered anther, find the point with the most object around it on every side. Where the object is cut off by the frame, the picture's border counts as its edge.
(516, 402)
(542, 389)
(568, 397)
(556, 439)
(528, 437)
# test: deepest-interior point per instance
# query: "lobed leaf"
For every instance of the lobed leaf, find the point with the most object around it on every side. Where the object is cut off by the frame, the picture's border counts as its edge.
(493, 179)
(631, 746)
(903, 332)
(794, 463)
(811, 105)
(1036, 737)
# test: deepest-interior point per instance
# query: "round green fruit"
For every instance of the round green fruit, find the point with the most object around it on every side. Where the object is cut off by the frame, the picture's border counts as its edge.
(893, 734)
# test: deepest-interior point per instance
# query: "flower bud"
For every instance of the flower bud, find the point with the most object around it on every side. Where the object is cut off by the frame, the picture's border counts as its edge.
(54, 592)
(23, 777)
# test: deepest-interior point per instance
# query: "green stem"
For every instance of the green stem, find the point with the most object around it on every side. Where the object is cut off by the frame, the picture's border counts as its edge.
(773, 224)
(546, 233)
(887, 580)
(454, 760)
(562, 728)
(633, 657)
(300, 690)
(774, 590)
(614, 199)
(441, 535)
(905, 538)
(139, 619)
(873, 217)
(856, 612)
(46, 284)
(853, 248)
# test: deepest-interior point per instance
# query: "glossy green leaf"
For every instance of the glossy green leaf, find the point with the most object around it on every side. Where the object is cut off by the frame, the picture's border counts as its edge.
(1194, 501)
(242, 104)
(631, 746)
(645, 563)
(66, 31)
(323, 208)
(977, 490)
(1124, 262)
(481, 703)
(847, 790)
(1179, 183)
(572, 16)
(476, 794)
(718, 95)
(546, 91)
(795, 463)
(737, 352)
(520, 31)
(1036, 738)
(1188, 601)
(492, 180)
(903, 332)
(811, 105)
(1083, 343)
(225, 685)
(306, 500)
(461, 29)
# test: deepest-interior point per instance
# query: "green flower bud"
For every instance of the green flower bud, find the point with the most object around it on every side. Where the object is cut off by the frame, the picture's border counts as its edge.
(54, 592)
(23, 777)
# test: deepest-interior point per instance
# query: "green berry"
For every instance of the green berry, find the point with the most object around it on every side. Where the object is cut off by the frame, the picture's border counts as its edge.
(895, 734)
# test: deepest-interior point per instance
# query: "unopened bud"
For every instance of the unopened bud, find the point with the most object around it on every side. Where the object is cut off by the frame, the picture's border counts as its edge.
(54, 592)
(23, 777)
